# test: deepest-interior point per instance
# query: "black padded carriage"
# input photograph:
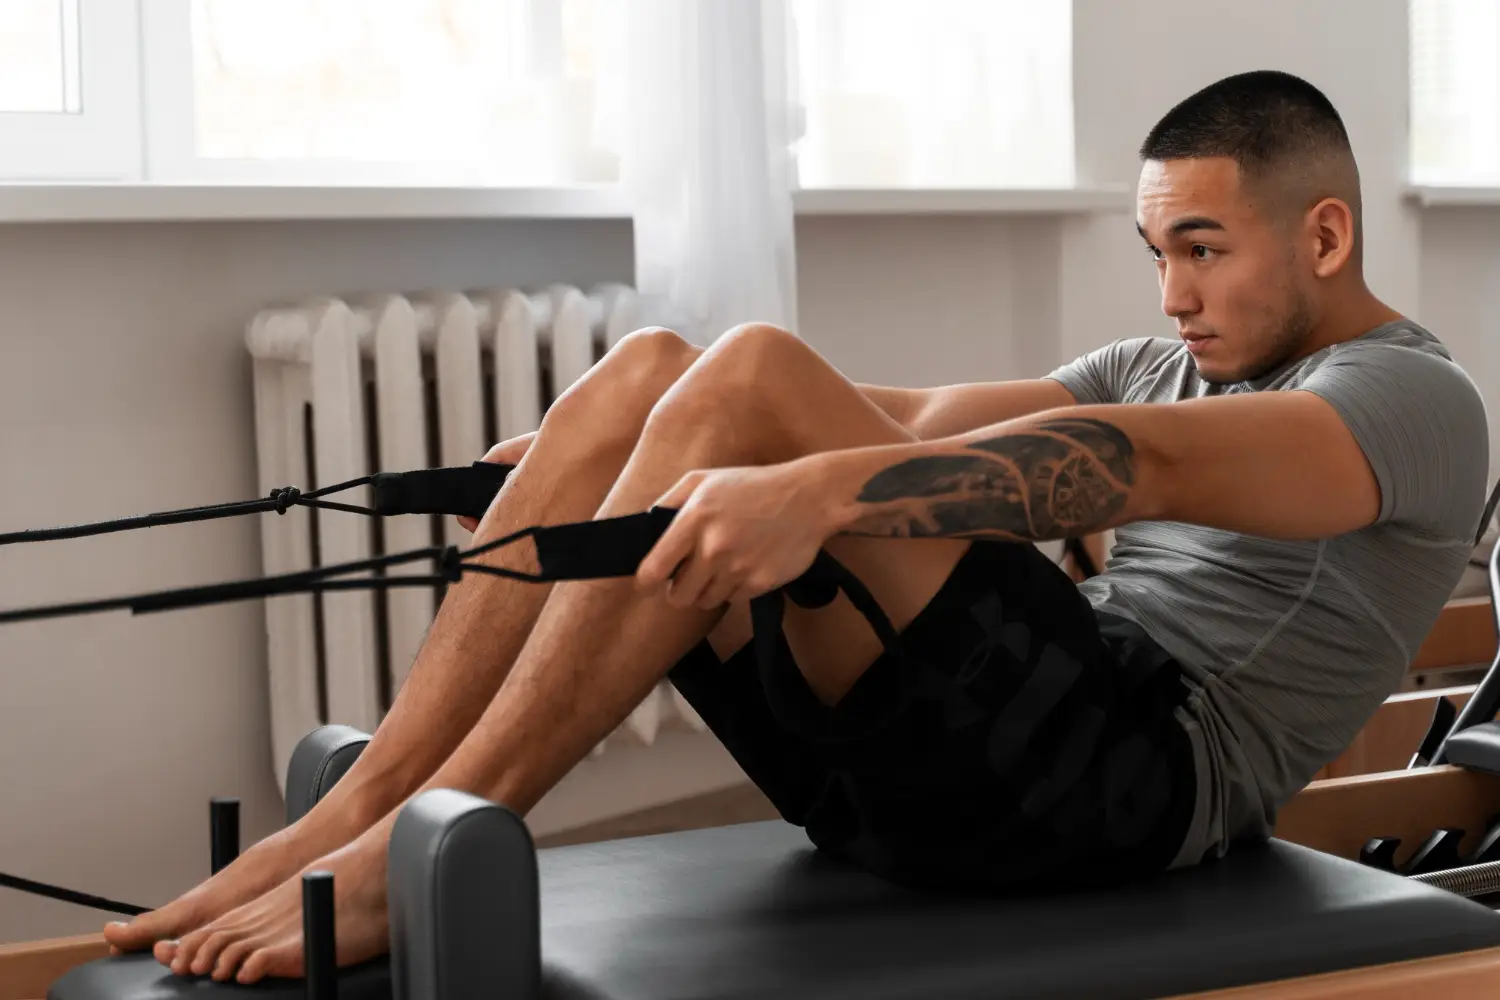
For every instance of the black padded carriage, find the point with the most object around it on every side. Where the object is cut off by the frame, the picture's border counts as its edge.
(753, 911)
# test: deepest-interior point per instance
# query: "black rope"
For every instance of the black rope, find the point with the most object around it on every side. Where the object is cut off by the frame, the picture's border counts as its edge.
(466, 490)
(69, 896)
(622, 542)
(279, 500)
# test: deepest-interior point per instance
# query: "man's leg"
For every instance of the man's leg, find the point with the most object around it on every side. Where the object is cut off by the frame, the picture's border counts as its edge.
(759, 396)
(584, 442)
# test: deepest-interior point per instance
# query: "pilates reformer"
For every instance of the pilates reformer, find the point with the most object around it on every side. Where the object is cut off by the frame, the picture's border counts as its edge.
(1324, 909)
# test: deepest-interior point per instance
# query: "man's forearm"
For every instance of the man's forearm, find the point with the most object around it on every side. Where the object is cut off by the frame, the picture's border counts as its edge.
(1065, 472)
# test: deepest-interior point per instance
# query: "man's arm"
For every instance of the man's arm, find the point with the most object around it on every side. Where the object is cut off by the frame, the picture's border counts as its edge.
(953, 409)
(1275, 464)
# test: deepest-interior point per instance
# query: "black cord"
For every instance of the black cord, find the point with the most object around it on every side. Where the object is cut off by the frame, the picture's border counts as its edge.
(69, 896)
(451, 563)
(280, 500)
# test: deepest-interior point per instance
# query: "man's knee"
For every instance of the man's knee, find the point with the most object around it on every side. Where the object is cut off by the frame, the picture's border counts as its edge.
(751, 365)
(737, 389)
(621, 389)
(752, 353)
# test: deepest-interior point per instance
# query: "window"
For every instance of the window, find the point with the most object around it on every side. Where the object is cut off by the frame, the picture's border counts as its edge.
(1455, 92)
(889, 93)
(941, 93)
(69, 90)
(464, 92)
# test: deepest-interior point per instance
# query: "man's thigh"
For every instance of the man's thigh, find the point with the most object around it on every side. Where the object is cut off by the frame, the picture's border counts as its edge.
(773, 380)
(834, 645)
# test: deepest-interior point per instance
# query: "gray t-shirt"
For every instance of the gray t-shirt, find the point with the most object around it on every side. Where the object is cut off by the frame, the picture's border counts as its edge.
(1290, 646)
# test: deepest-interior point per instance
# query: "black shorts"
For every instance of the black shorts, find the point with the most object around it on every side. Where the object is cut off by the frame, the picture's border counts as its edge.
(1013, 738)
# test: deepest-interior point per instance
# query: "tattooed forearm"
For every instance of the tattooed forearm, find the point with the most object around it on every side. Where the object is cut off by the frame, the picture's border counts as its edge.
(1063, 477)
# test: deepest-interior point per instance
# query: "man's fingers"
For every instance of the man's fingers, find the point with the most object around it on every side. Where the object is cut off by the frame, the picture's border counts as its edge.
(469, 524)
(690, 583)
(677, 497)
(718, 592)
(675, 545)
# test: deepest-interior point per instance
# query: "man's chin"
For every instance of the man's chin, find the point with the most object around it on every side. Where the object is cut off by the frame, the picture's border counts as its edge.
(1211, 372)
(1215, 373)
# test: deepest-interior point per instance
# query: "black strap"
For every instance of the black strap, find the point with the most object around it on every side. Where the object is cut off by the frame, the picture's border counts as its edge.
(461, 491)
(1074, 547)
(611, 547)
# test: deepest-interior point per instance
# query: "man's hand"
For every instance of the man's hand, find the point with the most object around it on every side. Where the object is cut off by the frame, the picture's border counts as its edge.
(738, 533)
(505, 453)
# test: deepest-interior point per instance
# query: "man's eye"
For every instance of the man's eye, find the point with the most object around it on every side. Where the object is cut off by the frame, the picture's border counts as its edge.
(1154, 253)
(1201, 252)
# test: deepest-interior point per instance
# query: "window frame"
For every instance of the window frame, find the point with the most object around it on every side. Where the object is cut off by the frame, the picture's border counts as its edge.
(103, 141)
(170, 117)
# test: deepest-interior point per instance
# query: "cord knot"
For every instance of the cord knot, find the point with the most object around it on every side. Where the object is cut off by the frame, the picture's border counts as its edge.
(284, 497)
(451, 564)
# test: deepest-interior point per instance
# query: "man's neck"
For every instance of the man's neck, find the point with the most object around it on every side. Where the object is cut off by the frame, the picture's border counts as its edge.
(1350, 320)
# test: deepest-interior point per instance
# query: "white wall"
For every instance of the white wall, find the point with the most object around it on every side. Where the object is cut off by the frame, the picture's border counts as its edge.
(124, 387)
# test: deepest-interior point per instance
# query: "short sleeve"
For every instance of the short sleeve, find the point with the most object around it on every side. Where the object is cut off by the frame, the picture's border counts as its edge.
(1421, 424)
(1106, 375)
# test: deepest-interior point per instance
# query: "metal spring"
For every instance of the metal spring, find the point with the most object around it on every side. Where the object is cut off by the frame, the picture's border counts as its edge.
(1469, 881)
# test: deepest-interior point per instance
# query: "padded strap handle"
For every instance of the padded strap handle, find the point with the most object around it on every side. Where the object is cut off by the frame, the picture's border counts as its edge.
(463, 491)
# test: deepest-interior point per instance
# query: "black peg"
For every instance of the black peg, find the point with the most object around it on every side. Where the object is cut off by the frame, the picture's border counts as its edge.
(1443, 714)
(1438, 852)
(224, 832)
(320, 956)
(1380, 853)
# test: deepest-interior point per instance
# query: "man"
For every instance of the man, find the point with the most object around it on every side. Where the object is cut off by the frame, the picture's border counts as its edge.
(1295, 480)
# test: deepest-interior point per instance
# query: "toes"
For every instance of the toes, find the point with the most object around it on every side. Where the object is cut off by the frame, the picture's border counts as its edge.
(208, 952)
(187, 948)
(233, 957)
(165, 951)
(144, 930)
(275, 960)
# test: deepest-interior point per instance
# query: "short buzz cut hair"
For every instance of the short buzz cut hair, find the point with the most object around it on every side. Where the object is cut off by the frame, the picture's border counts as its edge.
(1276, 127)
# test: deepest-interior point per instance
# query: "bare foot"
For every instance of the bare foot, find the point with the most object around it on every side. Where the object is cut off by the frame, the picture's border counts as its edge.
(258, 870)
(264, 937)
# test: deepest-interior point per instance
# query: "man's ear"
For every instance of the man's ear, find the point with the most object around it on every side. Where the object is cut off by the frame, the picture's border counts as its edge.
(1331, 230)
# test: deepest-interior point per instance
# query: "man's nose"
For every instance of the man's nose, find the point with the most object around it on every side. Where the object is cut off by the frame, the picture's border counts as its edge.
(1178, 295)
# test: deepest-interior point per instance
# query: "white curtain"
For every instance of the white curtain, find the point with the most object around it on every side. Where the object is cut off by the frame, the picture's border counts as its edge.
(707, 126)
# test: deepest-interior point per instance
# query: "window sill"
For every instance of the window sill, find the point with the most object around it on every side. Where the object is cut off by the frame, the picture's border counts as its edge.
(163, 202)
(1453, 196)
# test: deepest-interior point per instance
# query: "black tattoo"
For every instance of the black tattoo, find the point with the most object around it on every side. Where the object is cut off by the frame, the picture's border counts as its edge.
(1066, 476)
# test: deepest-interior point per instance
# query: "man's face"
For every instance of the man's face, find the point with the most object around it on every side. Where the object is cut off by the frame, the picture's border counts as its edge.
(1228, 270)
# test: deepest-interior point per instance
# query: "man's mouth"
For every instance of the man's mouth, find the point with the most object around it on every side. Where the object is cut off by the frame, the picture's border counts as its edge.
(1196, 341)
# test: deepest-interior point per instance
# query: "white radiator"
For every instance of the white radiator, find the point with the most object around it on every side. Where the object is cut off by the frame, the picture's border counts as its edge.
(391, 383)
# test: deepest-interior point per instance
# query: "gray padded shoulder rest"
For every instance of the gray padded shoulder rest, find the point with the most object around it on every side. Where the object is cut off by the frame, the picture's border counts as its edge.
(321, 758)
